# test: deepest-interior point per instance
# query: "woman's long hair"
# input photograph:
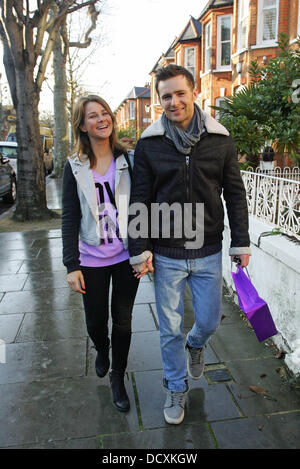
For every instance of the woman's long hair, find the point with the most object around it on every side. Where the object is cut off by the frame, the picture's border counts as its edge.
(82, 141)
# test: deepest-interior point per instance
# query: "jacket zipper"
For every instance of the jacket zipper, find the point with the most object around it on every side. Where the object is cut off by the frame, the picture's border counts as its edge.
(187, 162)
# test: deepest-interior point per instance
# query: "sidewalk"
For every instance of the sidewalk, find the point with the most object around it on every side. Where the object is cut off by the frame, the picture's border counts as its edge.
(50, 396)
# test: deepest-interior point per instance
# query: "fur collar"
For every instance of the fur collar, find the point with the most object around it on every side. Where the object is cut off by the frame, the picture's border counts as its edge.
(211, 124)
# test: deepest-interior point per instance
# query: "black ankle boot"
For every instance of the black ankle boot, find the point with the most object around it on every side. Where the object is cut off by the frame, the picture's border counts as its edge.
(102, 362)
(120, 397)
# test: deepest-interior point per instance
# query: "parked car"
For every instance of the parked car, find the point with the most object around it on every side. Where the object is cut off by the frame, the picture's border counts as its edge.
(9, 149)
(8, 183)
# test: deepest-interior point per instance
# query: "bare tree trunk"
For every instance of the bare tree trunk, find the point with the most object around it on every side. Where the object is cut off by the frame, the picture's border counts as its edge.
(31, 202)
(61, 131)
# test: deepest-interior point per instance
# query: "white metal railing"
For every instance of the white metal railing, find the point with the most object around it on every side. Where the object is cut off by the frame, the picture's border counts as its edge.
(287, 172)
(274, 200)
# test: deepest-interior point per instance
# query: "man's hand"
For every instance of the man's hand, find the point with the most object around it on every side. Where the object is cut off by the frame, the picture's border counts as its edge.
(244, 259)
(143, 268)
(76, 281)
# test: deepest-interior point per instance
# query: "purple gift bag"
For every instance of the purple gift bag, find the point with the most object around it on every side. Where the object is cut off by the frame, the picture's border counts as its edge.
(254, 307)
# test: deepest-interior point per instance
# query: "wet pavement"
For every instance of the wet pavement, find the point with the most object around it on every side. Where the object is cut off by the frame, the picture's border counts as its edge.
(50, 396)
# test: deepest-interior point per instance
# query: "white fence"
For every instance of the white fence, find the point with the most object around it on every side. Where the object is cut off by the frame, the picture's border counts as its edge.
(274, 197)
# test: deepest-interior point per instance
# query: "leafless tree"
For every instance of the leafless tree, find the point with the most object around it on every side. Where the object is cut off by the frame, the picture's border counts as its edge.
(64, 83)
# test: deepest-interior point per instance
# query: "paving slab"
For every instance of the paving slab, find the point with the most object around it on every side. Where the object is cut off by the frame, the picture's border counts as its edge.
(9, 327)
(281, 431)
(30, 361)
(65, 408)
(51, 398)
(46, 299)
(11, 282)
(184, 437)
(204, 402)
(52, 326)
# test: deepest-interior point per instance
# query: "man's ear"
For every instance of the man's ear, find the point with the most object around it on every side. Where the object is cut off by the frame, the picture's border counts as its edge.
(195, 94)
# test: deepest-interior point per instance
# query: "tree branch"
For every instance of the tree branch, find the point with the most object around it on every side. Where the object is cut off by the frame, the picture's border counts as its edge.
(82, 5)
(93, 14)
(9, 65)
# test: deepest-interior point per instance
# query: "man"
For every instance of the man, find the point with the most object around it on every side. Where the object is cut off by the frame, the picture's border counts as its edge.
(186, 157)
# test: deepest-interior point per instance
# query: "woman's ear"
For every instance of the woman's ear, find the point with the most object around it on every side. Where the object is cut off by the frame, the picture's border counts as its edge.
(82, 128)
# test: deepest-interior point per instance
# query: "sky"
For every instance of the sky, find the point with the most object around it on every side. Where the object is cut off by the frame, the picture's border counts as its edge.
(135, 33)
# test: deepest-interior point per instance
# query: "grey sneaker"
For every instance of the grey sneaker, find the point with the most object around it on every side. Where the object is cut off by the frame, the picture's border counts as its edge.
(174, 405)
(195, 361)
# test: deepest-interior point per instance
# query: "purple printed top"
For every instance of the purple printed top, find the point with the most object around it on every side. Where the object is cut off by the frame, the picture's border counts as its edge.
(111, 250)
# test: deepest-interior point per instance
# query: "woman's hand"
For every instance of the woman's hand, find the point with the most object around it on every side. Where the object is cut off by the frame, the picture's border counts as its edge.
(144, 267)
(76, 281)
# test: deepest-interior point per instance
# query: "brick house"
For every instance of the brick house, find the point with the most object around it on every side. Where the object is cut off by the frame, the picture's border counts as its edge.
(215, 72)
(134, 111)
(219, 46)
(257, 25)
(164, 60)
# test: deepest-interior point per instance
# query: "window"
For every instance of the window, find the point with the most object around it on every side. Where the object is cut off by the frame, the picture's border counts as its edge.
(224, 42)
(131, 110)
(267, 21)
(189, 59)
(178, 58)
(147, 108)
(219, 102)
(207, 46)
(243, 12)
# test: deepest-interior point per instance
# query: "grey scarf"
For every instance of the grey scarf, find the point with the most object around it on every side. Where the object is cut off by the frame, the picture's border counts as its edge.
(184, 140)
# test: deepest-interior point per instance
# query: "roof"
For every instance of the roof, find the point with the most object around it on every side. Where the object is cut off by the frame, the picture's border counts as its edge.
(136, 92)
(215, 4)
(169, 54)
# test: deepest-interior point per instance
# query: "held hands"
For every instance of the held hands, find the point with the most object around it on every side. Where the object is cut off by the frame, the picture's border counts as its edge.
(244, 259)
(144, 267)
(76, 281)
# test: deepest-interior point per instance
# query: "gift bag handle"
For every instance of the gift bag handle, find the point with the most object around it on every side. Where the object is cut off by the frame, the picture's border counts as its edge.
(237, 260)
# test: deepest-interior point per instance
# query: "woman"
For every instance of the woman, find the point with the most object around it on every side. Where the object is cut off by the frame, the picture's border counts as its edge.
(96, 181)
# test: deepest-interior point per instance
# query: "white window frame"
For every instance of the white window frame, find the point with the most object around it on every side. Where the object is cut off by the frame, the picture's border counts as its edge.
(186, 49)
(218, 100)
(241, 46)
(178, 58)
(207, 48)
(131, 110)
(219, 48)
(206, 104)
(259, 38)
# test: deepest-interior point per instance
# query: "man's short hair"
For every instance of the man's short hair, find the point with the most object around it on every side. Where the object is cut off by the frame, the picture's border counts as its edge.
(171, 71)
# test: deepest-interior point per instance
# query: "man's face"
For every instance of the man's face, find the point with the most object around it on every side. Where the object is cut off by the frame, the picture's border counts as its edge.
(177, 97)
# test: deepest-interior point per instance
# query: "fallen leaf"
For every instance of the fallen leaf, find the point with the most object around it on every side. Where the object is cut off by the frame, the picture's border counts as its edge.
(258, 390)
(263, 375)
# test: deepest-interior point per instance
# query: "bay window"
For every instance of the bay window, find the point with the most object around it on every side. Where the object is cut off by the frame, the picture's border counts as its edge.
(190, 59)
(267, 21)
(243, 13)
(224, 42)
(207, 46)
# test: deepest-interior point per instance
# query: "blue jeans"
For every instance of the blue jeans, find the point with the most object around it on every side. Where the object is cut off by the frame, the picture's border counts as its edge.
(204, 277)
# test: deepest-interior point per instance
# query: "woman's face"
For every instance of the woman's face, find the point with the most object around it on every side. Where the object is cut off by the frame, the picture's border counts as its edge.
(97, 121)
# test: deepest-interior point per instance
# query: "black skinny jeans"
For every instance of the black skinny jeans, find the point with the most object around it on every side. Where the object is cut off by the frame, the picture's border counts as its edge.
(96, 306)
